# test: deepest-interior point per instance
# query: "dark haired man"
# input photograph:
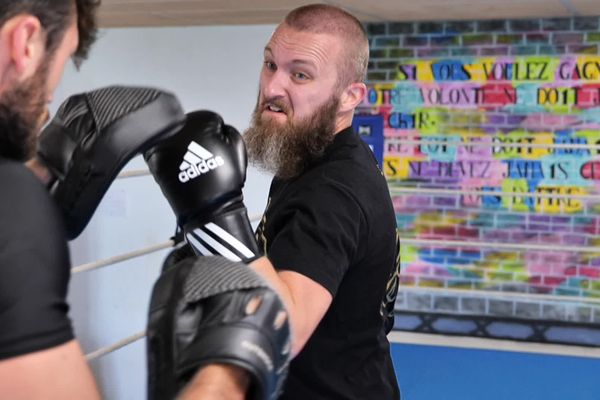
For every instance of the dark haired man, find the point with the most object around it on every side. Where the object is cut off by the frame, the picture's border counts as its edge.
(39, 356)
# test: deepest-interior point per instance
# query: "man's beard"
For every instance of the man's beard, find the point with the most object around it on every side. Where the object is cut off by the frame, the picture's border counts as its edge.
(286, 150)
(22, 108)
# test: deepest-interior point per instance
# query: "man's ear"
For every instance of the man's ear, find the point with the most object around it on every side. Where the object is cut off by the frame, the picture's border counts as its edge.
(24, 42)
(352, 96)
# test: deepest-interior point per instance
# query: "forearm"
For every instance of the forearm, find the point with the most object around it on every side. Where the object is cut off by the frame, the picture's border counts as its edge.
(306, 301)
(219, 382)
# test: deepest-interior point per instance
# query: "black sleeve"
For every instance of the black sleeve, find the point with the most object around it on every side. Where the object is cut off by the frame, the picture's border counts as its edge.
(34, 266)
(321, 235)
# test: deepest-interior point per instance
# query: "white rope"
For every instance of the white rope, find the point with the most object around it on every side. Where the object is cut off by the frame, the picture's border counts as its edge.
(497, 294)
(133, 173)
(443, 142)
(457, 192)
(115, 346)
(496, 245)
(255, 217)
(122, 257)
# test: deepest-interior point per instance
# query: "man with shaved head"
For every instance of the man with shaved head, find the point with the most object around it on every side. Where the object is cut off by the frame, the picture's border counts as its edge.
(328, 232)
(326, 244)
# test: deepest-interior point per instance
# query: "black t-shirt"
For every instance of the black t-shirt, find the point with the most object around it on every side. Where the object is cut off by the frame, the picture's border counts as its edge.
(336, 225)
(34, 266)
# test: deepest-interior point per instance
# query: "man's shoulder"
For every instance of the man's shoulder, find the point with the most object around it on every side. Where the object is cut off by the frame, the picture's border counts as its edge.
(22, 194)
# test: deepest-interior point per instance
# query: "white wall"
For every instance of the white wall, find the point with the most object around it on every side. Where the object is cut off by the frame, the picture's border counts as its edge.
(207, 68)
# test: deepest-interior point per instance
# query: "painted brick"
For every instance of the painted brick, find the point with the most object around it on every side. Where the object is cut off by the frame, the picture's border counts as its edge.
(567, 38)
(391, 75)
(513, 38)
(592, 37)
(401, 53)
(523, 50)
(445, 303)
(444, 201)
(596, 316)
(433, 52)
(574, 240)
(464, 51)
(586, 23)
(495, 235)
(494, 51)
(430, 27)
(416, 40)
(499, 276)
(488, 268)
(401, 28)
(473, 305)
(553, 311)
(445, 40)
(418, 301)
(528, 310)
(400, 299)
(376, 29)
(557, 24)
(537, 38)
(498, 25)
(583, 49)
(552, 50)
(465, 232)
(521, 25)
(460, 26)
(378, 53)
(501, 308)
(387, 41)
(580, 314)
(376, 76)
(387, 65)
(477, 39)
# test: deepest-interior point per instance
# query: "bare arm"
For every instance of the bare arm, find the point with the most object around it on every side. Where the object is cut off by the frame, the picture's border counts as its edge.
(60, 372)
(306, 300)
(218, 382)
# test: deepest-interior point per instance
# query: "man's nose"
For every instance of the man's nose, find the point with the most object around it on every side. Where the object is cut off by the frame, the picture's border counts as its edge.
(274, 85)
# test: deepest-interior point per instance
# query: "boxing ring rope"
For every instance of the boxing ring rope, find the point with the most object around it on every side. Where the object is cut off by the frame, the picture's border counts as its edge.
(122, 257)
(133, 173)
(115, 346)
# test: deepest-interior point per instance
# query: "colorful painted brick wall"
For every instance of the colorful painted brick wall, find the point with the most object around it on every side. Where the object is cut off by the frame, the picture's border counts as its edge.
(491, 135)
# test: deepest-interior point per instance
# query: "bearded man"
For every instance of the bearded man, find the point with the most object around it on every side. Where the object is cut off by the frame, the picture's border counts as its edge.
(329, 227)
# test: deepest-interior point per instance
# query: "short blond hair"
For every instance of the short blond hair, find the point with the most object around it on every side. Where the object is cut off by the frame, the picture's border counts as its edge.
(324, 18)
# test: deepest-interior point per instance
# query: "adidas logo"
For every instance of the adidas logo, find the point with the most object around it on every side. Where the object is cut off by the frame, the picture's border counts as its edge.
(197, 161)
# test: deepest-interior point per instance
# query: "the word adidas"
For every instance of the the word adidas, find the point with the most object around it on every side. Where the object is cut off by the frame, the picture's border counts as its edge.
(197, 161)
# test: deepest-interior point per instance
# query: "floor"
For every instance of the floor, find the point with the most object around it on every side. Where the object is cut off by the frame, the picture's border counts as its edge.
(445, 373)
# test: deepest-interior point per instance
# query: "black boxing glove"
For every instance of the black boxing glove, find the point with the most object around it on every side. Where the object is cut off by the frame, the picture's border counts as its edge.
(93, 136)
(201, 171)
(207, 310)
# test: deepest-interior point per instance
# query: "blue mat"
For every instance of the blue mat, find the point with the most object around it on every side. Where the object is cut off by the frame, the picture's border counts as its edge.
(443, 373)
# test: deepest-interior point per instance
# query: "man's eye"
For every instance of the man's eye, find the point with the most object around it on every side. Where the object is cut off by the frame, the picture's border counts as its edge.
(300, 76)
(270, 65)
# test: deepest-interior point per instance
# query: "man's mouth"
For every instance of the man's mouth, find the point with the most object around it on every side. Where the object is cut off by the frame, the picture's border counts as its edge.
(274, 108)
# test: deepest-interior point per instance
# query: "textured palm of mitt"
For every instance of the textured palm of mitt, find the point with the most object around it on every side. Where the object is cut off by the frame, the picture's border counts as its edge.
(94, 135)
